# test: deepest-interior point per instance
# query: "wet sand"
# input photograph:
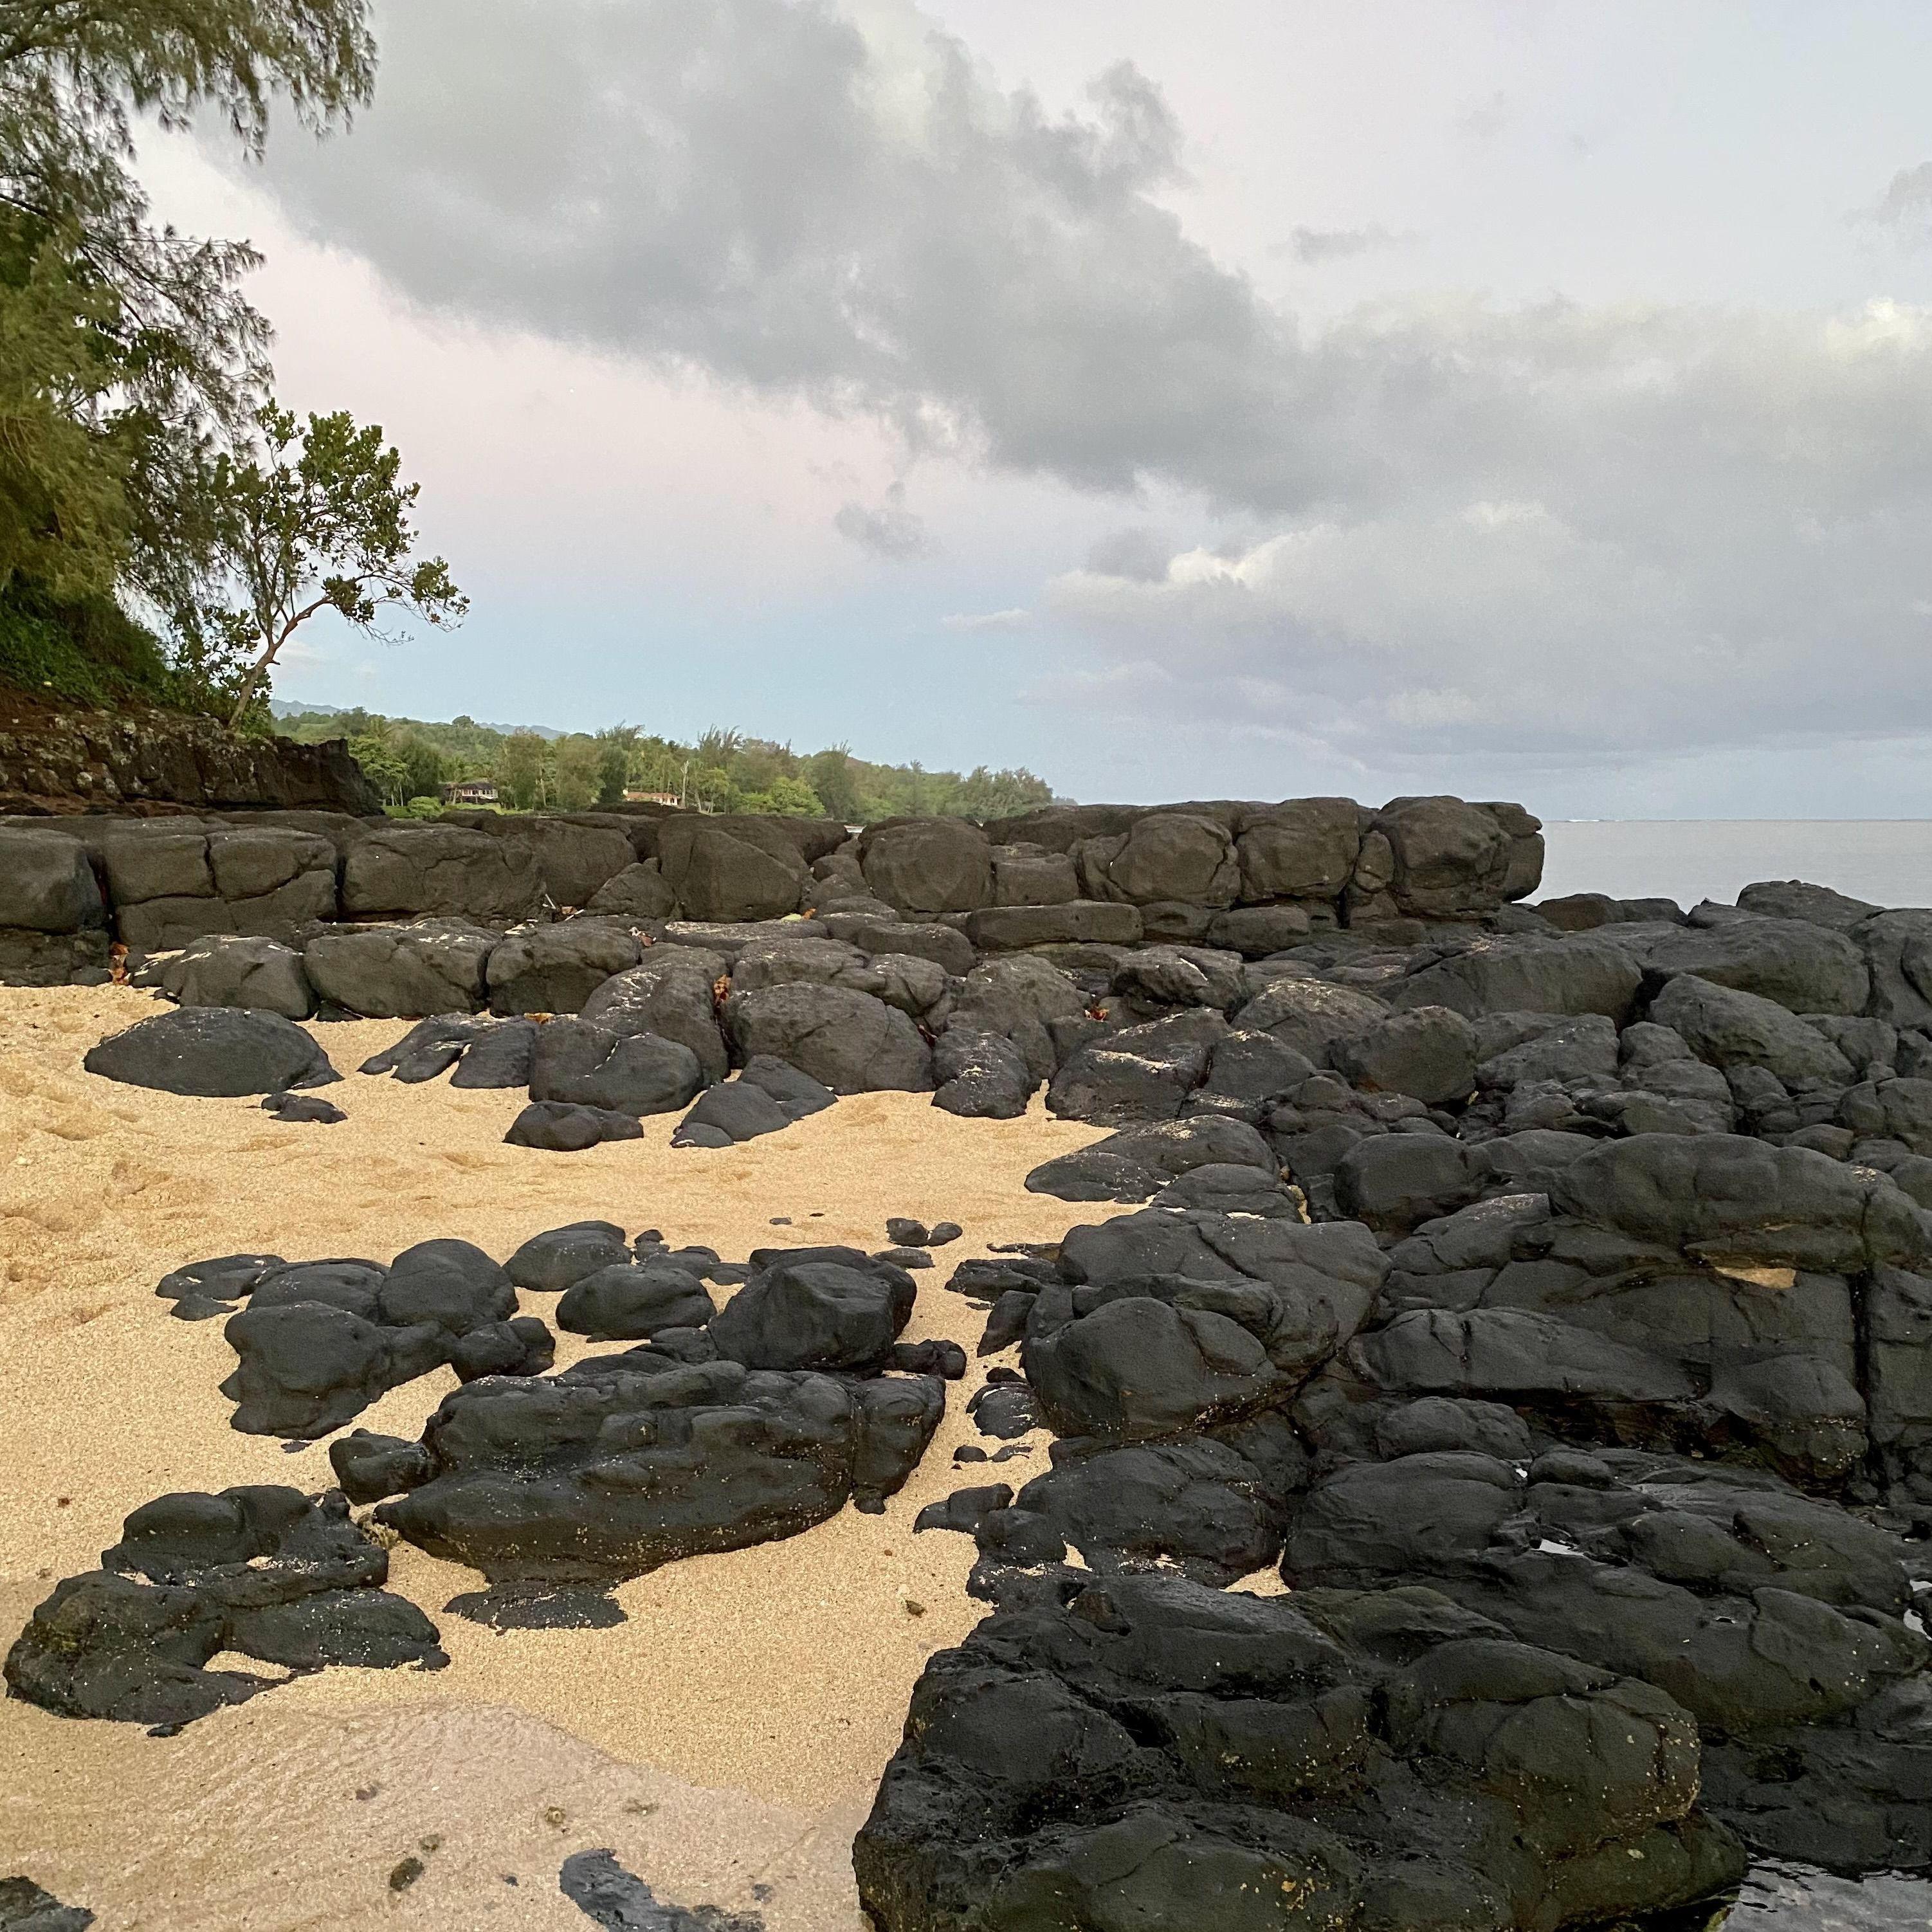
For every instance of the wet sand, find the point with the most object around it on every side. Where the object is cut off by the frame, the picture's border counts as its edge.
(725, 1740)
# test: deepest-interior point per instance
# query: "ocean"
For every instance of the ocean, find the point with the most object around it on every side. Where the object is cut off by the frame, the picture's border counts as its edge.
(1887, 861)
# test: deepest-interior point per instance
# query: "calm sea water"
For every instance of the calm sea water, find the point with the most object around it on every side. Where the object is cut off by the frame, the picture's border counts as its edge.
(1887, 861)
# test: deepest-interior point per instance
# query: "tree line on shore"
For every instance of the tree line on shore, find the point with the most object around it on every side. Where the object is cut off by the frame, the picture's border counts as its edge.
(411, 762)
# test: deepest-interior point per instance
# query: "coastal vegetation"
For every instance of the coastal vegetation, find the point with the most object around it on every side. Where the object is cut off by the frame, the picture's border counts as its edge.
(165, 526)
(411, 762)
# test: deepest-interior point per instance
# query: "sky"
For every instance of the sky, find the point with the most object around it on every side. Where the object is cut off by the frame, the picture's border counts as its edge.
(1255, 398)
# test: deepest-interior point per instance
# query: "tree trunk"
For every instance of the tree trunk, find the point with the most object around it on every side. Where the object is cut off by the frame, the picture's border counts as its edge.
(253, 681)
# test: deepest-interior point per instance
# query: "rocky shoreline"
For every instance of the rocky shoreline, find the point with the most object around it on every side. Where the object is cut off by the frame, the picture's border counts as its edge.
(1488, 1422)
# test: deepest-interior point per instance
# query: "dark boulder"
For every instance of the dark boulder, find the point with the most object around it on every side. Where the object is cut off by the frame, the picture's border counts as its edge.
(1163, 856)
(851, 1042)
(263, 1571)
(46, 884)
(1588, 973)
(983, 1076)
(631, 1301)
(1140, 1073)
(320, 1341)
(823, 1309)
(1816, 905)
(1728, 1028)
(1396, 1181)
(1018, 999)
(1146, 1751)
(1246, 1071)
(560, 1487)
(1451, 860)
(1303, 848)
(731, 868)
(586, 1065)
(639, 891)
(1134, 1164)
(226, 971)
(25, 1906)
(1138, 1367)
(303, 1109)
(558, 1126)
(548, 1263)
(1194, 1505)
(451, 1283)
(1426, 1052)
(450, 870)
(1805, 968)
(1308, 1016)
(370, 1467)
(1897, 947)
(766, 1097)
(1256, 930)
(880, 933)
(214, 1052)
(929, 864)
(1025, 875)
(555, 969)
(401, 972)
(1079, 922)
(671, 993)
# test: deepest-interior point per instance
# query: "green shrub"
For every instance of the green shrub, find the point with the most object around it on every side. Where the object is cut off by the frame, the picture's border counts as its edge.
(85, 650)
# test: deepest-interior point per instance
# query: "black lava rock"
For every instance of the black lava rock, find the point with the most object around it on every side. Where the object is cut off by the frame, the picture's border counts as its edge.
(558, 1487)
(303, 1107)
(266, 1571)
(214, 1052)
(558, 1127)
(1145, 1750)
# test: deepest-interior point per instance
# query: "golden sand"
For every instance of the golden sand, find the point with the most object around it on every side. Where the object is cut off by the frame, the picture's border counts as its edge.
(773, 1680)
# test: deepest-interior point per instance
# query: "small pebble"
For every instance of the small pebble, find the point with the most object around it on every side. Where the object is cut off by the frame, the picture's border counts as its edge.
(406, 1873)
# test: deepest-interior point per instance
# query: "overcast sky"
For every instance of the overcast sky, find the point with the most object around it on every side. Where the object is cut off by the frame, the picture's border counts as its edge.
(1254, 397)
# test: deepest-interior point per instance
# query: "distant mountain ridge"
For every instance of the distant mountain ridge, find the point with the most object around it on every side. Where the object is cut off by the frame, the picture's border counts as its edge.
(284, 707)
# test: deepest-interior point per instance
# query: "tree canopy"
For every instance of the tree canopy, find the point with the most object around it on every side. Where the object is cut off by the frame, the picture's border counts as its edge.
(128, 351)
(315, 518)
(722, 771)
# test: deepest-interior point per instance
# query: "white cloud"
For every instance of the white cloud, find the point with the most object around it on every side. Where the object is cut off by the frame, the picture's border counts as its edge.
(1552, 531)
(989, 620)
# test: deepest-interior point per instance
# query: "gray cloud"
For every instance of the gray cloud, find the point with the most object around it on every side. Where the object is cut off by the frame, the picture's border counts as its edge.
(1553, 531)
(1486, 119)
(975, 621)
(1137, 554)
(1906, 202)
(1314, 246)
(1682, 531)
(758, 189)
(890, 530)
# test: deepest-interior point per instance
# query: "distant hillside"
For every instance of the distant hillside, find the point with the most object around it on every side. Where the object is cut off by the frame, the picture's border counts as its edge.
(531, 765)
(285, 707)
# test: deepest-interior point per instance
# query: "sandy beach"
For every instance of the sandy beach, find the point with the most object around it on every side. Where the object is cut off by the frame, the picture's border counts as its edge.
(724, 1741)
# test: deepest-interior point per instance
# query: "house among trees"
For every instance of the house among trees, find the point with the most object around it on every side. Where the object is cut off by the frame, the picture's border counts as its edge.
(652, 798)
(470, 791)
